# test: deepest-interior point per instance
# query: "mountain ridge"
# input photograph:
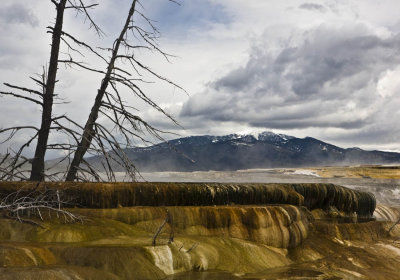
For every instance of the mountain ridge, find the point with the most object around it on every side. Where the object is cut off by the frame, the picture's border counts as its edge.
(246, 151)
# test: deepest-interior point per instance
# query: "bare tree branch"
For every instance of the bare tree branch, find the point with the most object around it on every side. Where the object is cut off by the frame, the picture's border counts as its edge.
(82, 8)
(24, 89)
(22, 97)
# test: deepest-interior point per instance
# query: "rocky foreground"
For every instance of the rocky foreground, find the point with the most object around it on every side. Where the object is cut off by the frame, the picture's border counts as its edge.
(224, 231)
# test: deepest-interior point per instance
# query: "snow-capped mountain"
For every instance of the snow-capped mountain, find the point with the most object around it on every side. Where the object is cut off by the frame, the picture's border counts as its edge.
(245, 151)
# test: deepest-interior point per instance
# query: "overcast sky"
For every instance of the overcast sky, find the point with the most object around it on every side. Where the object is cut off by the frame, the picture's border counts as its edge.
(325, 69)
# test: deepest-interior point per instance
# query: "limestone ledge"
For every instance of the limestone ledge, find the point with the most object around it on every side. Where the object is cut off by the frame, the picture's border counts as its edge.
(113, 195)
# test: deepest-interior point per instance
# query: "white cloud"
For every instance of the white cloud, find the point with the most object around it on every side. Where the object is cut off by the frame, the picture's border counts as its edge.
(389, 83)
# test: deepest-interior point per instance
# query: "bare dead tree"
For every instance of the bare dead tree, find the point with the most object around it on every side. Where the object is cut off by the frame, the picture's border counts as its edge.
(15, 165)
(99, 138)
(124, 73)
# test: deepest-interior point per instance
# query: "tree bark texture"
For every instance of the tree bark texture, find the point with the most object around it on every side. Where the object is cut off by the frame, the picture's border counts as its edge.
(37, 173)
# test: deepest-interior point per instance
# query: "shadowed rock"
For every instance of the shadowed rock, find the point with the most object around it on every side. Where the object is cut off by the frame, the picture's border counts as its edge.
(112, 195)
(323, 196)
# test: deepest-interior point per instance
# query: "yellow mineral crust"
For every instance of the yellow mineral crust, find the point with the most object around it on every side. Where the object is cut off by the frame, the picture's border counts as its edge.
(286, 231)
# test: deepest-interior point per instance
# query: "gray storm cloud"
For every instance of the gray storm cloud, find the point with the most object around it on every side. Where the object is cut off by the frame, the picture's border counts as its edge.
(18, 13)
(313, 7)
(328, 80)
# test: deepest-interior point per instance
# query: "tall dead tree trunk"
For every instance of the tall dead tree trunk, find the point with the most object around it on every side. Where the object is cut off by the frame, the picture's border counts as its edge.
(37, 173)
(14, 164)
(88, 131)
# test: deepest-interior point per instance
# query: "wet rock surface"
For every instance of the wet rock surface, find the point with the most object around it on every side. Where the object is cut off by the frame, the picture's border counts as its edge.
(283, 226)
(304, 231)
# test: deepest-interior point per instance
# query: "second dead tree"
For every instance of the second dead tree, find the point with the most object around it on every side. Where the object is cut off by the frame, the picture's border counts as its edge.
(101, 139)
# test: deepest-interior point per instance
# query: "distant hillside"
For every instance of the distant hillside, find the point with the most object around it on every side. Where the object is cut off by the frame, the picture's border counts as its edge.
(234, 152)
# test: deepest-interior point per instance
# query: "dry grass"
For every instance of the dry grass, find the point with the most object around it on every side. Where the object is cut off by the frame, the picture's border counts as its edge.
(367, 171)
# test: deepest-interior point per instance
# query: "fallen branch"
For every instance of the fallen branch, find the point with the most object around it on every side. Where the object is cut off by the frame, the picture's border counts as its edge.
(167, 220)
(193, 247)
(392, 227)
(25, 203)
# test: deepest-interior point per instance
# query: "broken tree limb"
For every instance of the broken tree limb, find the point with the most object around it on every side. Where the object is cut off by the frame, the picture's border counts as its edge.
(168, 220)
